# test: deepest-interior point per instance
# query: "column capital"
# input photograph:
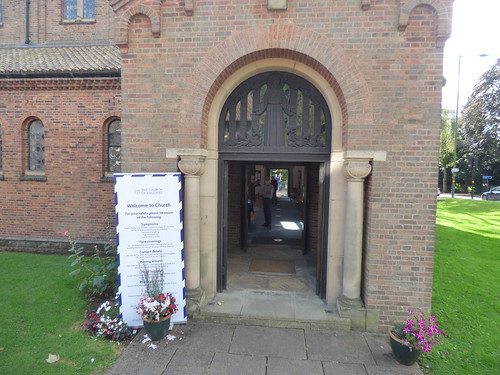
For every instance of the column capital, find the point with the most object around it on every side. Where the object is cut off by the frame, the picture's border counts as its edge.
(357, 169)
(192, 165)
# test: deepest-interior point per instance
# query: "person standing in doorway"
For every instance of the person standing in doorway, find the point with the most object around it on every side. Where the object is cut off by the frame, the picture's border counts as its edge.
(274, 182)
(267, 195)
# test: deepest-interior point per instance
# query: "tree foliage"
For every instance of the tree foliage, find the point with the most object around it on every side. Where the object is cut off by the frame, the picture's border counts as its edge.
(447, 144)
(480, 126)
(447, 141)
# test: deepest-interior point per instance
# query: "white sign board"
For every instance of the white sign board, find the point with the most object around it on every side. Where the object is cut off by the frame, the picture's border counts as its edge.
(149, 232)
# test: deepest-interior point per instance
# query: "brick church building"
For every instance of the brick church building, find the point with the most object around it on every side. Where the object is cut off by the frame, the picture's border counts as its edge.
(344, 95)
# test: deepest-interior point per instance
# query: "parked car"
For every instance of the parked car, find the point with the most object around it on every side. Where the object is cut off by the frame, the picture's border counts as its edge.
(492, 195)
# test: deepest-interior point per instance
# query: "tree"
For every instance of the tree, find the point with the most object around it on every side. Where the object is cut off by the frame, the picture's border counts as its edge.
(447, 145)
(480, 127)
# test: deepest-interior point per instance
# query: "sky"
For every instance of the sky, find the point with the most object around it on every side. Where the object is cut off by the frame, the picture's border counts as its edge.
(475, 31)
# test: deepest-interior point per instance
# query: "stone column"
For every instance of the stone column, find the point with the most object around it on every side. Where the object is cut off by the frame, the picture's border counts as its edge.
(356, 171)
(192, 166)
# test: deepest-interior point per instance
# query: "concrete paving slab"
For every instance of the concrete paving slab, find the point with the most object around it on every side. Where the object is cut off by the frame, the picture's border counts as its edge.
(213, 337)
(226, 303)
(344, 347)
(137, 354)
(185, 361)
(281, 307)
(381, 350)
(231, 364)
(258, 350)
(284, 366)
(309, 307)
(388, 370)
(269, 341)
(336, 368)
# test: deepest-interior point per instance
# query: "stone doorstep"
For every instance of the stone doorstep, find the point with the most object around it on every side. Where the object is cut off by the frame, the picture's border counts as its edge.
(334, 323)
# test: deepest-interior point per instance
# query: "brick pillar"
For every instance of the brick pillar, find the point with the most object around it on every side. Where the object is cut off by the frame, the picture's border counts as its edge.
(192, 166)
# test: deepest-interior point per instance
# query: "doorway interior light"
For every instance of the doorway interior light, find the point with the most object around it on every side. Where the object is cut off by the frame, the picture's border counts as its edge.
(291, 225)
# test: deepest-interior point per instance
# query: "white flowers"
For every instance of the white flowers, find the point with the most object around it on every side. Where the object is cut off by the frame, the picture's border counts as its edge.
(106, 306)
(158, 307)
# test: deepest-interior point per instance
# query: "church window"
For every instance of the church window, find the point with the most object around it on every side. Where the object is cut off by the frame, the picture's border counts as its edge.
(36, 147)
(75, 10)
(114, 146)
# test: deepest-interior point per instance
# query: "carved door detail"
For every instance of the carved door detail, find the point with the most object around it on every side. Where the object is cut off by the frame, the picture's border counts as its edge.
(275, 112)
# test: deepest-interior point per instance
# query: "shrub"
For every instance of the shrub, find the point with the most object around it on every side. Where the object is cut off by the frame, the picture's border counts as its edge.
(98, 270)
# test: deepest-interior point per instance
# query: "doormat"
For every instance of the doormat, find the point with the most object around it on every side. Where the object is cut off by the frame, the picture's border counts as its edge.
(272, 265)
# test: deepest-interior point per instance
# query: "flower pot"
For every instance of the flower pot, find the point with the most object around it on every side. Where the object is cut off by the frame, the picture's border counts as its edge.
(403, 353)
(157, 329)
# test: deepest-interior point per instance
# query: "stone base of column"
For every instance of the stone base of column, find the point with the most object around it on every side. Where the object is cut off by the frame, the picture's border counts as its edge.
(361, 318)
(349, 303)
(352, 309)
(195, 298)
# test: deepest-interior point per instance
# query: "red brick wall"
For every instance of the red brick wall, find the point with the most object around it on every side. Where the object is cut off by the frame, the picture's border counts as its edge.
(73, 197)
(47, 27)
(12, 30)
(388, 83)
(401, 198)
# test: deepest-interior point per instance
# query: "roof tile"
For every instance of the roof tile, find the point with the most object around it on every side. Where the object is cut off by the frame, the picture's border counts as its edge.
(81, 59)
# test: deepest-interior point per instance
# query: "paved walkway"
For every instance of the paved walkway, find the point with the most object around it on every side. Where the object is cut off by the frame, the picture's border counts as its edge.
(291, 332)
(221, 349)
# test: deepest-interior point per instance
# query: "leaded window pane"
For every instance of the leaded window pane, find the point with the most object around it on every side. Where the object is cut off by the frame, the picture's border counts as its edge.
(114, 146)
(36, 157)
(70, 9)
(88, 9)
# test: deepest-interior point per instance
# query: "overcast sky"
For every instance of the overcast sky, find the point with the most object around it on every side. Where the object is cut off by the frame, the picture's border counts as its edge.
(476, 31)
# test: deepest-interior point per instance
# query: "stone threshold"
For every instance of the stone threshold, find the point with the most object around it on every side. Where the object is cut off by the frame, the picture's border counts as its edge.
(271, 309)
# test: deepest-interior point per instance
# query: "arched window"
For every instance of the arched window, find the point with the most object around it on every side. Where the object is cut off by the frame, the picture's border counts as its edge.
(114, 146)
(276, 112)
(36, 147)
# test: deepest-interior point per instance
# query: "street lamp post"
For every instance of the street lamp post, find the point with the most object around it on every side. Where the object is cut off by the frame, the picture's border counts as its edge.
(454, 170)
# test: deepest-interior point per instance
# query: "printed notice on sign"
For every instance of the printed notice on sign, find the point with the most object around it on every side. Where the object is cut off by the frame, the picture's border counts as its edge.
(149, 235)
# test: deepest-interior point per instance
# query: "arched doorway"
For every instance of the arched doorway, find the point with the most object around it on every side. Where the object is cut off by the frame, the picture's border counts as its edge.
(274, 120)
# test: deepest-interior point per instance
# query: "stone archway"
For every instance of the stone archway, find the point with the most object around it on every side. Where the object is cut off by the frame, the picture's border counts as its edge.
(271, 118)
(332, 71)
(209, 195)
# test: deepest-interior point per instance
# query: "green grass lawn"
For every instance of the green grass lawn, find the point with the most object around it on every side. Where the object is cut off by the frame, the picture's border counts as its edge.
(466, 288)
(42, 313)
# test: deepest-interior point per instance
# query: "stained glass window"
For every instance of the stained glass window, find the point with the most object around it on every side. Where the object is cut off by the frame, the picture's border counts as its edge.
(36, 157)
(114, 146)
